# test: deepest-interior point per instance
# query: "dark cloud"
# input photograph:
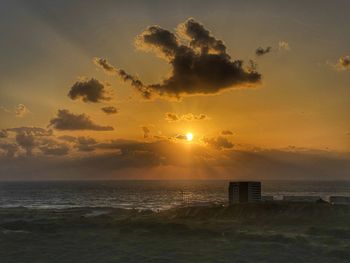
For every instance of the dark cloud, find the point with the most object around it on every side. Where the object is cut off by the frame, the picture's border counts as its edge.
(35, 131)
(109, 110)
(28, 137)
(134, 81)
(201, 67)
(89, 91)
(146, 131)
(86, 140)
(161, 152)
(204, 67)
(86, 144)
(66, 120)
(52, 145)
(262, 51)
(57, 150)
(103, 63)
(343, 63)
(159, 40)
(10, 149)
(192, 117)
(181, 137)
(117, 144)
(219, 143)
(63, 144)
(67, 138)
(34, 143)
(226, 132)
(3, 134)
(83, 144)
(201, 38)
(26, 141)
(173, 117)
(202, 117)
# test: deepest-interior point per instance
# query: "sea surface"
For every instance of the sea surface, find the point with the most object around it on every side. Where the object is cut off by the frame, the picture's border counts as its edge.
(147, 194)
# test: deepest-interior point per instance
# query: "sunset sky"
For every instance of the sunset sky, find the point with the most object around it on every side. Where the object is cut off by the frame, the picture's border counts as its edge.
(109, 89)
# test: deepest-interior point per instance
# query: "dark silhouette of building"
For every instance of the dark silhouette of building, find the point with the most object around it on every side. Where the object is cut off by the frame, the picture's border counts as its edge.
(244, 192)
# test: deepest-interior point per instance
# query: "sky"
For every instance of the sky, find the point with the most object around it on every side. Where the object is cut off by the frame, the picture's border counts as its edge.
(110, 89)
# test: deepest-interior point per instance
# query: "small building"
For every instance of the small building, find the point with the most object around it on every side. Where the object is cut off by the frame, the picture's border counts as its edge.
(244, 192)
(339, 200)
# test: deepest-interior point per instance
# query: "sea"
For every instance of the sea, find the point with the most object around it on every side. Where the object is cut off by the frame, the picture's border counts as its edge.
(153, 195)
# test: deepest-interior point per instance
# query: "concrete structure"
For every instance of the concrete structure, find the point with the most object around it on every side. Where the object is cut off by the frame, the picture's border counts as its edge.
(244, 192)
(339, 200)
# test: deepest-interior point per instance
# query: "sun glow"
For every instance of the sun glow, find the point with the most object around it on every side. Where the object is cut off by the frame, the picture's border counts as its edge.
(189, 136)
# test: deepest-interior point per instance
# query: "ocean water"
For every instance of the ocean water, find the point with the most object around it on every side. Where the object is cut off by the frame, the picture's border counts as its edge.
(147, 194)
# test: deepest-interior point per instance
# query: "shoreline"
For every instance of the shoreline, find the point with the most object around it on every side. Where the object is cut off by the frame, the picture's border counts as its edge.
(276, 202)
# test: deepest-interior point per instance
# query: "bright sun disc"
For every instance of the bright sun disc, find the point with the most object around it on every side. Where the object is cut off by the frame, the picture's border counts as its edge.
(189, 136)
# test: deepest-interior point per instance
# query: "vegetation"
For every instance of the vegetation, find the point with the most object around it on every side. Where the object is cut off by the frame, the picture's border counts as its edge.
(270, 232)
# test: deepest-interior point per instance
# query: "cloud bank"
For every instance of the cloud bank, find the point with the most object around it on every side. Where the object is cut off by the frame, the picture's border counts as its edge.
(135, 159)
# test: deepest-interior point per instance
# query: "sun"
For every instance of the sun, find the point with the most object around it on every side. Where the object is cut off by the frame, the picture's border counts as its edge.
(189, 136)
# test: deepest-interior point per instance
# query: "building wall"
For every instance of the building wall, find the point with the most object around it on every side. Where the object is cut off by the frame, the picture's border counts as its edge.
(242, 192)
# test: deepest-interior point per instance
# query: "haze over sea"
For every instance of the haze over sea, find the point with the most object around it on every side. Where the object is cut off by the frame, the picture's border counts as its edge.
(146, 194)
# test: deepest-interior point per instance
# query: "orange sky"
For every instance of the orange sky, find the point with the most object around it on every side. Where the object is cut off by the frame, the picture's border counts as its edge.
(300, 101)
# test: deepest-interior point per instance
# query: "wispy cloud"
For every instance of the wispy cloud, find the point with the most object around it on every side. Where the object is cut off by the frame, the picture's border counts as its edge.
(109, 110)
(173, 117)
(343, 63)
(283, 45)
